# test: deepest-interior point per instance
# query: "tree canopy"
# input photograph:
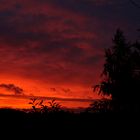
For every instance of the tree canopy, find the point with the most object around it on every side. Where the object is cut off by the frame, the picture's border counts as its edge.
(121, 72)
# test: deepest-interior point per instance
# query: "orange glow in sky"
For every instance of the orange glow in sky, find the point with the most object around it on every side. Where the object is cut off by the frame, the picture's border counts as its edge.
(38, 89)
(55, 48)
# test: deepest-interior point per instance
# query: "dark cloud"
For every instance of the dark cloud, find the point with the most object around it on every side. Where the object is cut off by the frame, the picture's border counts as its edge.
(12, 88)
(53, 89)
(66, 90)
(61, 90)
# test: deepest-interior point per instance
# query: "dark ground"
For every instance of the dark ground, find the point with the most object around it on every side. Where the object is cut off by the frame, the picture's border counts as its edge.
(62, 123)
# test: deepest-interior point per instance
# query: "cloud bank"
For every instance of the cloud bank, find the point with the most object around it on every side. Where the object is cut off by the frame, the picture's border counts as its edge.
(60, 42)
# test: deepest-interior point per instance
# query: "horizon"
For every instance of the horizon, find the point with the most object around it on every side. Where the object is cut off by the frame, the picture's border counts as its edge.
(69, 103)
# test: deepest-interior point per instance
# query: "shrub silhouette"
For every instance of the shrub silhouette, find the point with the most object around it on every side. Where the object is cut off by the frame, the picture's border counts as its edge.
(100, 106)
(44, 108)
(39, 106)
(54, 106)
(34, 103)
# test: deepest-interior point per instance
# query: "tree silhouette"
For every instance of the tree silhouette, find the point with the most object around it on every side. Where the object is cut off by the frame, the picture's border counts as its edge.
(120, 73)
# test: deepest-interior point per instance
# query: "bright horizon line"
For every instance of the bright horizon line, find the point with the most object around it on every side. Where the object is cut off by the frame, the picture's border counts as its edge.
(49, 98)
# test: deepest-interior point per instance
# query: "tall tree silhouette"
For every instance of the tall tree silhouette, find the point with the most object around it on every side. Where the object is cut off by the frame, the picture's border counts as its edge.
(120, 70)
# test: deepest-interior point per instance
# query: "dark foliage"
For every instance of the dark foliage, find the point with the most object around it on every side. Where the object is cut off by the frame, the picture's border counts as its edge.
(121, 74)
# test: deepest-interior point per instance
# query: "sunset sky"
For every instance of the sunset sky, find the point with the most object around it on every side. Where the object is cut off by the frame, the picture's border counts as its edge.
(55, 48)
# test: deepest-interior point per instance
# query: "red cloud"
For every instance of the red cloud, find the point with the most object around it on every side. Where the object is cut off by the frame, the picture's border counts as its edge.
(55, 43)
